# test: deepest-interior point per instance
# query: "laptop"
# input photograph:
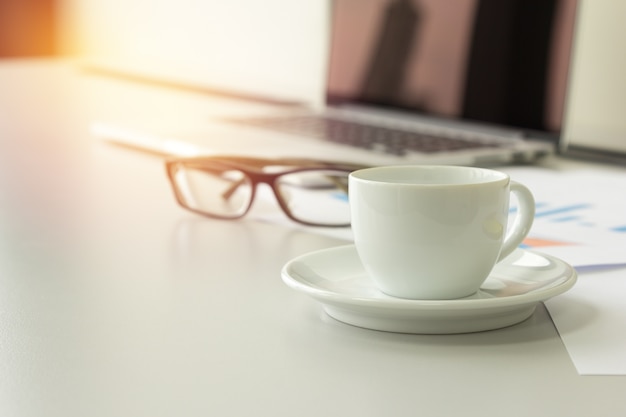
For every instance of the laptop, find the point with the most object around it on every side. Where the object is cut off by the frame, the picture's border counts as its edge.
(407, 82)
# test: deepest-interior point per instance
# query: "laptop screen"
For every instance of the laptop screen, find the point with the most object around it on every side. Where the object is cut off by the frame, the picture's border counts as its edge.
(504, 62)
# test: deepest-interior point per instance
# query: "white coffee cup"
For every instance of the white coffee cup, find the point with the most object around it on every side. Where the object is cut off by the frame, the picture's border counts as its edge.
(435, 232)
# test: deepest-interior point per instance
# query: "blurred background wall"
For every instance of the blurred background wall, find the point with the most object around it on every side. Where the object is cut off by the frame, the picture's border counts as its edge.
(28, 28)
(268, 47)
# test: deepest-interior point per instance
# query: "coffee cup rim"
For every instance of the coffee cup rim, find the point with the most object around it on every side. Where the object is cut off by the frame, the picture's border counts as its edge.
(431, 175)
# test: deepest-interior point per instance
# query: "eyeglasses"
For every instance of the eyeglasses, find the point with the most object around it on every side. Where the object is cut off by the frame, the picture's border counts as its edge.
(313, 193)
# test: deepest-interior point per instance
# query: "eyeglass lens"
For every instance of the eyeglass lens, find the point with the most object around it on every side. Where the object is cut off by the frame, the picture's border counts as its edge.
(223, 193)
(317, 197)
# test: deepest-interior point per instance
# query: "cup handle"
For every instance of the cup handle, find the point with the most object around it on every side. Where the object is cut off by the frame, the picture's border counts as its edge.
(523, 220)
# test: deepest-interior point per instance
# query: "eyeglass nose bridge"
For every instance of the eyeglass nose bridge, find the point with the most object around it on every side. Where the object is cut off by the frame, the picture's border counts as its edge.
(270, 180)
(255, 179)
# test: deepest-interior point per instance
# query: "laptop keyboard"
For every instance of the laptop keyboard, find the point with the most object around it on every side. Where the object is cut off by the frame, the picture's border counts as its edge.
(384, 139)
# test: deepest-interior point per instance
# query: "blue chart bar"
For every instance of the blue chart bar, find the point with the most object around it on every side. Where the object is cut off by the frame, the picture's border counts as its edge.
(566, 219)
(562, 210)
(574, 213)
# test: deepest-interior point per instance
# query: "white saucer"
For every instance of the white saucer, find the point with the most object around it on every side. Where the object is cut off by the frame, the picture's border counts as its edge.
(336, 278)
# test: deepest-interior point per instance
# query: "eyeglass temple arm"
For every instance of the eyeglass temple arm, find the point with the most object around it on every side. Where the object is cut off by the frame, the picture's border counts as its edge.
(231, 190)
(332, 178)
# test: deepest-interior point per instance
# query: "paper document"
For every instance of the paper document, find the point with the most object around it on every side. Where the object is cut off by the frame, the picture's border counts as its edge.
(581, 218)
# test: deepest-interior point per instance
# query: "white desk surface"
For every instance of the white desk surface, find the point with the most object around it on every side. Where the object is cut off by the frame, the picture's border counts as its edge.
(116, 302)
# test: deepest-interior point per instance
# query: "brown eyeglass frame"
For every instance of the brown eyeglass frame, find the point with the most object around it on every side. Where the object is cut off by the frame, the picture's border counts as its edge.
(255, 170)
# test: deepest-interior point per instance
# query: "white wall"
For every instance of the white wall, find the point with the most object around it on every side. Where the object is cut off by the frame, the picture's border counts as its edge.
(272, 47)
